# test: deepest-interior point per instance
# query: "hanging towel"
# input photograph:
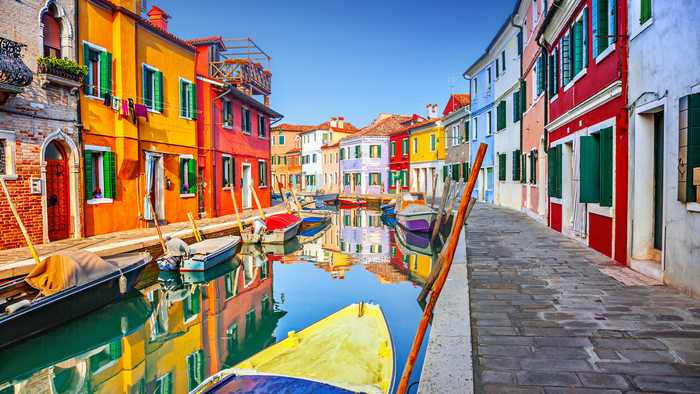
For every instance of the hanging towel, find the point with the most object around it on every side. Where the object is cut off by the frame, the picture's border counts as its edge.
(141, 111)
(131, 111)
(125, 108)
(108, 100)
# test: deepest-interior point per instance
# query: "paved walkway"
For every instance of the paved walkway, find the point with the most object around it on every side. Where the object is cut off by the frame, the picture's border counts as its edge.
(18, 261)
(545, 319)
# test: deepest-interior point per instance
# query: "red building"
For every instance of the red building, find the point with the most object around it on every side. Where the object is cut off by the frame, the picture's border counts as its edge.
(586, 85)
(233, 131)
(399, 155)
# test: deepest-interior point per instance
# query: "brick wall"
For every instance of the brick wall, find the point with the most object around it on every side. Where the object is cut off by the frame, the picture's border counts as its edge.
(33, 115)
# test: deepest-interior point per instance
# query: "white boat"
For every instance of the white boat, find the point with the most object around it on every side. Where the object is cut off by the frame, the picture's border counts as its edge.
(276, 229)
(210, 252)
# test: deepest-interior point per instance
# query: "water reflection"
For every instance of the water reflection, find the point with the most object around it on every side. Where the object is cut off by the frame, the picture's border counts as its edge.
(182, 328)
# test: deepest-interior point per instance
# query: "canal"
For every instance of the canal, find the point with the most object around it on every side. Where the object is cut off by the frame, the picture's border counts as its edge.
(179, 329)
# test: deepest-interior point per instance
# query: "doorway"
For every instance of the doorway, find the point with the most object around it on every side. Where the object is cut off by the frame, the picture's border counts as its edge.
(245, 186)
(154, 174)
(658, 179)
(57, 185)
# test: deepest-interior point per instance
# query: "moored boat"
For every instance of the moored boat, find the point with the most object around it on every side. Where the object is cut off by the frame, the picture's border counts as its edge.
(346, 352)
(210, 252)
(416, 218)
(312, 222)
(351, 202)
(275, 229)
(326, 198)
(63, 287)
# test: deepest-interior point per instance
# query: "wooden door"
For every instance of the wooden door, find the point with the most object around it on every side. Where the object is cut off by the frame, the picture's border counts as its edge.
(57, 207)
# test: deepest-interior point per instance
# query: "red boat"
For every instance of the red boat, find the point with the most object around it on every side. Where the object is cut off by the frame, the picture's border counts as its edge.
(348, 202)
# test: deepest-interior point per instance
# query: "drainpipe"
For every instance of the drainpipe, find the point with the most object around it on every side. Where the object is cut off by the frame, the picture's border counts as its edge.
(214, 147)
(79, 124)
(544, 50)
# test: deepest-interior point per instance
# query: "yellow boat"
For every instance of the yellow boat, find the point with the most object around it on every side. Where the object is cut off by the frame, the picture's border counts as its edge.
(348, 351)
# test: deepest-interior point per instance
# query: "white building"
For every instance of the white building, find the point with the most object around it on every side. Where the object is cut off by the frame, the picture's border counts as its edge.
(664, 210)
(311, 155)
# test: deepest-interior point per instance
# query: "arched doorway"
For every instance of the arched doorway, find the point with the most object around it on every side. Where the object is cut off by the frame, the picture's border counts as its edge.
(57, 196)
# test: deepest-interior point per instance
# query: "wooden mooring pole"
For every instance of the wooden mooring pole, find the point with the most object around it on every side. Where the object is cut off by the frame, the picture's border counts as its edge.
(235, 210)
(441, 208)
(155, 222)
(444, 270)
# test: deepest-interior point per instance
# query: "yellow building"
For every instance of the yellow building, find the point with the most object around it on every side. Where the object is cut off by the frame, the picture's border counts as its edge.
(420, 266)
(138, 110)
(427, 156)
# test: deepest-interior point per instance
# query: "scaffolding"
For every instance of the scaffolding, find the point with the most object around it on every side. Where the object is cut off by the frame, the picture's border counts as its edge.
(242, 63)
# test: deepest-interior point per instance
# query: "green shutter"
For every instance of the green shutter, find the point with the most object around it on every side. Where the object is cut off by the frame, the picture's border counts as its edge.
(554, 171)
(158, 90)
(105, 74)
(183, 163)
(589, 164)
(606, 166)
(109, 175)
(693, 147)
(86, 60)
(193, 101)
(516, 164)
(465, 171)
(566, 60)
(578, 48)
(444, 172)
(192, 176)
(645, 11)
(516, 106)
(523, 168)
(379, 151)
(523, 96)
(87, 173)
(455, 172)
(501, 115)
(602, 25)
(551, 161)
(501, 166)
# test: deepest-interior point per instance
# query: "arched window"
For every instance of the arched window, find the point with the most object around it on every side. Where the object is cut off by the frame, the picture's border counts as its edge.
(52, 32)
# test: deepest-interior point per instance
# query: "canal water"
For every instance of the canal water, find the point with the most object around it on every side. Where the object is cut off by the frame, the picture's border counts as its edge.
(179, 329)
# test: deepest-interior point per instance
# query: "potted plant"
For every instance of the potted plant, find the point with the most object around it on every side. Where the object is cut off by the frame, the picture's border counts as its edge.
(62, 71)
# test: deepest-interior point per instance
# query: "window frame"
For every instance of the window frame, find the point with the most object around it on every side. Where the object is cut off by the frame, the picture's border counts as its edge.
(188, 104)
(152, 108)
(96, 87)
(232, 181)
(100, 150)
(262, 127)
(10, 148)
(262, 181)
(226, 103)
(245, 120)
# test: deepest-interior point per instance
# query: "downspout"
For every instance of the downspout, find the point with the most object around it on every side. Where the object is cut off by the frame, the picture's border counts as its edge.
(79, 125)
(215, 146)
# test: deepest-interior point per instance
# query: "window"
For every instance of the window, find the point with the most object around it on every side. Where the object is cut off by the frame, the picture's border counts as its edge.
(455, 172)
(227, 114)
(523, 168)
(375, 179)
(281, 139)
(7, 154)
(539, 75)
(489, 126)
(313, 158)
(262, 173)
(358, 151)
(152, 88)
(52, 33)
(226, 171)
(262, 131)
(465, 171)
(476, 86)
(498, 67)
(474, 129)
(232, 338)
(188, 175)
(100, 174)
(433, 143)
(404, 146)
(164, 384)
(188, 99)
(533, 166)
(191, 305)
(455, 135)
(516, 164)
(342, 153)
(346, 179)
(195, 369)
(575, 49)
(553, 71)
(596, 168)
(502, 166)
(554, 171)
(489, 179)
(644, 11)
(245, 120)
(604, 25)
(111, 353)
(415, 145)
(393, 148)
(375, 151)
(690, 105)
(229, 282)
(516, 106)
(503, 59)
(501, 115)
(488, 78)
(99, 64)
(3, 157)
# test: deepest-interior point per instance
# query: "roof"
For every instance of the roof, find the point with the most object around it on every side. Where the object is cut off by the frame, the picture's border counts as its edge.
(333, 145)
(294, 150)
(297, 128)
(347, 127)
(207, 41)
(455, 102)
(384, 126)
(260, 107)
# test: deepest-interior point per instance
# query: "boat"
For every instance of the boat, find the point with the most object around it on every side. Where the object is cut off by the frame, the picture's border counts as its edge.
(201, 277)
(412, 242)
(312, 222)
(416, 218)
(275, 229)
(210, 252)
(351, 202)
(62, 347)
(348, 351)
(63, 287)
(313, 233)
(389, 208)
(326, 198)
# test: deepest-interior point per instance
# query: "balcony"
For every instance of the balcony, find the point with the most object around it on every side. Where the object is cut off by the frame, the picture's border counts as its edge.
(14, 74)
(62, 72)
(241, 63)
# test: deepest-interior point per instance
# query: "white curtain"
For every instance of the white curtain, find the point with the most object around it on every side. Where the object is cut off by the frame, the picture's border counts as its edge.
(150, 167)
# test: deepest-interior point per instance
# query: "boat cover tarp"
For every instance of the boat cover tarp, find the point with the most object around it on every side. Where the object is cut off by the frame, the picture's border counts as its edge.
(263, 384)
(64, 270)
(416, 209)
(283, 220)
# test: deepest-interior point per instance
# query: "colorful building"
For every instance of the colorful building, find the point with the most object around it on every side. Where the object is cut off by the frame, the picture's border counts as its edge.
(293, 168)
(456, 123)
(286, 140)
(427, 156)
(330, 158)
(399, 155)
(664, 113)
(311, 143)
(39, 144)
(233, 134)
(363, 236)
(138, 110)
(364, 157)
(481, 119)
(586, 46)
(504, 52)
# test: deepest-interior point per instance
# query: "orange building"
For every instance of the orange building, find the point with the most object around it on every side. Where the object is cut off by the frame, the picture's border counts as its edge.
(285, 149)
(138, 111)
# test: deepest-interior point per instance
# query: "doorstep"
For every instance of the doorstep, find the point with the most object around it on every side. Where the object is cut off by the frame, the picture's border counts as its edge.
(648, 268)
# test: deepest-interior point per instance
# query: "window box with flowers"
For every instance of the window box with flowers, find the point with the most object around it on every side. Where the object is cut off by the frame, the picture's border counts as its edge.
(64, 72)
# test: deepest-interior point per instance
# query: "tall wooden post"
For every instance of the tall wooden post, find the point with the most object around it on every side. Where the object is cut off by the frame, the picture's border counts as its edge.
(257, 203)
(235, 210)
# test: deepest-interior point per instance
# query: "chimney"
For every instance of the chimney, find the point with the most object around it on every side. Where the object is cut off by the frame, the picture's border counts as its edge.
(158, 18)
(432, 110)
(334, 122)
(341, 122)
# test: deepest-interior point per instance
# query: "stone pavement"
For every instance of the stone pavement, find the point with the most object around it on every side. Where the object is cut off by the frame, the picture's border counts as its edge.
(18, 261)
(545, 319)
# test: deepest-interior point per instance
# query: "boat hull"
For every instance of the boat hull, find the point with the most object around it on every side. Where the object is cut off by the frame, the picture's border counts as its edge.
(328, 198)
(421, 223)
(57, 309)
(204, 262)
(281, 235)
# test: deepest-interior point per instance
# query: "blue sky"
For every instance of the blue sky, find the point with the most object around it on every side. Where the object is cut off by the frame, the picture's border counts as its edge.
(352, 58)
